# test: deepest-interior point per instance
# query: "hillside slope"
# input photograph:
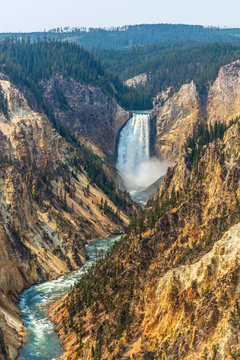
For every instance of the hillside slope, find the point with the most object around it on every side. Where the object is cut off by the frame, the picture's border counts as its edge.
(169, 288)
(93, 118)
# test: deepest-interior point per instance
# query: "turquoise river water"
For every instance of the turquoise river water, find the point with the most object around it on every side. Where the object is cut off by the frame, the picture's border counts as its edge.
(41, 341)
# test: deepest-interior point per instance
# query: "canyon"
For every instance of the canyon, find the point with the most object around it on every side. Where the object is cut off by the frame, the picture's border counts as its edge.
(170, 291)
(170, 287)
(173, 286)
(49, 206)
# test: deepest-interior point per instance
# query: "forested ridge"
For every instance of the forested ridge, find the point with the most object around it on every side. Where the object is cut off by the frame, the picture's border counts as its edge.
(170, 64)
(132, 35)
(143, 34)
(27, 64)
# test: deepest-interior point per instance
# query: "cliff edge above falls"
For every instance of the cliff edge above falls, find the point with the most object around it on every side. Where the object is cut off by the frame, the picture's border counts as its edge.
(177, 118)
(49, 207)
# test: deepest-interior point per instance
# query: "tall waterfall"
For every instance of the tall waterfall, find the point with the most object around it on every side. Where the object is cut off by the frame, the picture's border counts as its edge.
(133, 147)
(134, 164)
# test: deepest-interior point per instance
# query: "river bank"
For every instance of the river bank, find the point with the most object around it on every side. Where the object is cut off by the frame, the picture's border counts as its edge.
(41, 341)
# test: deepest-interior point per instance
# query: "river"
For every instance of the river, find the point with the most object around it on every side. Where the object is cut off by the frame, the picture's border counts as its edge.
(41, 341)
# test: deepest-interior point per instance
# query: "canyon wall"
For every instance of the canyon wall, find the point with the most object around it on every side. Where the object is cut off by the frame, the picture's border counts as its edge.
(175, 121)
(48, 207)
(223, 103)
(179, 115)
(93, 118)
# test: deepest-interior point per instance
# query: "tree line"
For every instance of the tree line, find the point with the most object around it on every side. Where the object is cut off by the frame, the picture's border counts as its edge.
(135, 35)
(169, 64)
(27, 63)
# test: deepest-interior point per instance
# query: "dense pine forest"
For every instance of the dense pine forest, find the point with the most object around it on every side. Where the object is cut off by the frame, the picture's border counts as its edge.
(170, 54)
(171, 63)
(132, 35)
(128, 36)
(28, 63)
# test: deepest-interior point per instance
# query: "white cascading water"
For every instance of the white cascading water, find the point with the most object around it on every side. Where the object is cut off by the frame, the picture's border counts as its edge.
(134, 164)
(133, 147)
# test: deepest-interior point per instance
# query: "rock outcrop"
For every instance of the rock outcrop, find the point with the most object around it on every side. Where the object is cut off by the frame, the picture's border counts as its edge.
(223, 103)
(175, 122)
(177, 118)
(138, 80)
(92, 117)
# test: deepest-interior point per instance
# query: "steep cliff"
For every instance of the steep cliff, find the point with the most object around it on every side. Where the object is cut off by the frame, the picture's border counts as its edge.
(179, 115)
(223, 102)
(92, 117)
(175, 122)
(49, 206)
(170, 288)
(71, 86)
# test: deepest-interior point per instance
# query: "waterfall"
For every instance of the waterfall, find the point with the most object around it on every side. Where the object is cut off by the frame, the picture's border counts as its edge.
(134, 164)
(133, 147)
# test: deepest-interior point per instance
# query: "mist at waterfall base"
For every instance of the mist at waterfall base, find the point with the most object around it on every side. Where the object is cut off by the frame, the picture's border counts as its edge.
(135, 166)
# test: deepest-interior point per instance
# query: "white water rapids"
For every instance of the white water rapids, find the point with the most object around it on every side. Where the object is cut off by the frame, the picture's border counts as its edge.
(41, 342)
(135, 166)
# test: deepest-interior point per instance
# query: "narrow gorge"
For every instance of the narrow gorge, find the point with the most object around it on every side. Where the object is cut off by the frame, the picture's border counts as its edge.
(56, 196)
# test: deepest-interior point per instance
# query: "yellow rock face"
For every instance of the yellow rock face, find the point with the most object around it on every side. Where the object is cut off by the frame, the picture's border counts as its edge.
(223, 102)
(175, 122)
(179, 308)
(176, 119)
